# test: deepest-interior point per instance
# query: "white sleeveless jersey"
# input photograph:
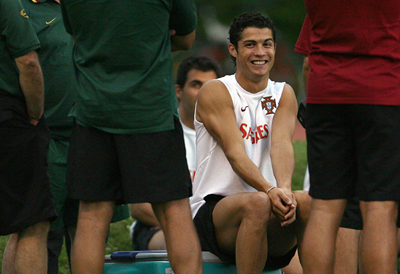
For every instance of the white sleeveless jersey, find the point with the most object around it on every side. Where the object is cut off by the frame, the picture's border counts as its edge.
(254, 115)
(190, 146)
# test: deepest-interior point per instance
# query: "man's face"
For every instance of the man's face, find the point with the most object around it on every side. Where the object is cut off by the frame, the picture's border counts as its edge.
(195, 80)
(255, 53)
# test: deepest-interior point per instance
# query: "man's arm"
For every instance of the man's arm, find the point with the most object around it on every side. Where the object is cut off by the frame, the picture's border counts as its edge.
(144, 213)
(182, 42)
(282, 153)
(31, 81)
(215, 111)
(306, 69)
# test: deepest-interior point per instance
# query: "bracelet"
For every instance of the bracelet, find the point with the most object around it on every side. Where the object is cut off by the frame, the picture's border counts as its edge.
(271, 188)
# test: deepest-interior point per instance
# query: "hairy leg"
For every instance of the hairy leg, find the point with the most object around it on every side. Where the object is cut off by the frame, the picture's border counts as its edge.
(346, 254)
(31, 252)
(378, 238)
(181, 239)
(88, 247)
(318, 247)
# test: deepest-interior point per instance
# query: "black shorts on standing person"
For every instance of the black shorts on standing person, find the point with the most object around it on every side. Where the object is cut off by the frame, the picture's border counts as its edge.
(26, 196)
(148, 167)
(334, 131)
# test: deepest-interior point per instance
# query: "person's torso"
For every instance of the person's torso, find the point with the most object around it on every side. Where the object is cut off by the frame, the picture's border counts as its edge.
(355, 53)
(254, 116)
(123, 64)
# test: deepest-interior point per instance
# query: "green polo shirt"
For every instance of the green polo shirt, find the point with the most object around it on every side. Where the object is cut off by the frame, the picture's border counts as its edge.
(55, 58)
(123, 61)
(17, 38)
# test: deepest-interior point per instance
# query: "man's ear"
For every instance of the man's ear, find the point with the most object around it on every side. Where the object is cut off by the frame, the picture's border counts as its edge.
(178, 91)
(232, 50)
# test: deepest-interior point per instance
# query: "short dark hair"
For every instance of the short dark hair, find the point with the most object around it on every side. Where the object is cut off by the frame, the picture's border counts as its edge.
(201, 63)
(245, 20)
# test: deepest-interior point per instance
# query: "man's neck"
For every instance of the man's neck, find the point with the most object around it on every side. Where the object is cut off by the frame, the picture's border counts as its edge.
(186, 116)
(252, 85)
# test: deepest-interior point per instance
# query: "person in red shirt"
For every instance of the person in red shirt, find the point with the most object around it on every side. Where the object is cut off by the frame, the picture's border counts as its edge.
(353, 128)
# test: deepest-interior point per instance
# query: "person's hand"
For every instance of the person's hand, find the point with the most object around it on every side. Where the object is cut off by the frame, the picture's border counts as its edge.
(283, 205)
(290, 217)
(34, 122)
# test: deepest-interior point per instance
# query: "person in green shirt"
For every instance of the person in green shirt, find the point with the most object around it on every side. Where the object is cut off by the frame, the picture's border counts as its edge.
(127, 145)
(57, 65)
(25, 196)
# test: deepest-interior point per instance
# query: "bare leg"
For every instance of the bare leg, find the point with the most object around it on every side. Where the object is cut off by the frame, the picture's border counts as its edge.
(320, 236)
(31, 252)
(241, 221)
(8, 265)
(157, 242)
(294, 266)
(181, 239)
(379, 235)
(88, 248)
(346, 255)
(302, 216)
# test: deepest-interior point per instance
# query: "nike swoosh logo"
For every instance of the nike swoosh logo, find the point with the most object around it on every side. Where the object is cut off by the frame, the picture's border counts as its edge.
(243, 109)
(23, 13)
(47, 23)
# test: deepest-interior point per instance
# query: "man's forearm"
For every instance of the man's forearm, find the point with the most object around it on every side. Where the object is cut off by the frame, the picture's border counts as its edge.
(31, 81)
(282, 157)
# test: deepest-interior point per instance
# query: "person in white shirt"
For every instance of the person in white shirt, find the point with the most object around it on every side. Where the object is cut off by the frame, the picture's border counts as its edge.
(243, 206)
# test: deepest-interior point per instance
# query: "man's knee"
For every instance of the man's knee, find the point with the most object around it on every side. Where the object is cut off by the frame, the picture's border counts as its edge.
(258, 206)
(40, 229)
(379, 210)
(303, 203)
(96, 211)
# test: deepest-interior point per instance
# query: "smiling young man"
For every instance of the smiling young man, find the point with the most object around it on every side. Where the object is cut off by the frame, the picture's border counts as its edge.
(243, 205)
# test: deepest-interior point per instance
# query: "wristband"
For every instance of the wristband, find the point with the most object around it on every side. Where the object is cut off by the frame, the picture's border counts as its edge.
(271, 188)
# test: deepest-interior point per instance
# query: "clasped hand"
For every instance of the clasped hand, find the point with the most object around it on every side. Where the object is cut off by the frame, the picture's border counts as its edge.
(283, 205)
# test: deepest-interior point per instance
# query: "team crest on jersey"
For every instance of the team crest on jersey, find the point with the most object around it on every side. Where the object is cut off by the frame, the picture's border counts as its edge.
(269, 105)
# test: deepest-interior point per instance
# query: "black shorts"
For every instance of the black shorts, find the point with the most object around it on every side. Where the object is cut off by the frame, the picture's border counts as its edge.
(25, 196)
(352, 215)
(353, 150)
(142, 235)
(205, 229)
(128, 168)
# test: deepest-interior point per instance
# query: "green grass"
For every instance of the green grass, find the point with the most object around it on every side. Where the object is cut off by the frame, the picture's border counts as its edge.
(119, 232)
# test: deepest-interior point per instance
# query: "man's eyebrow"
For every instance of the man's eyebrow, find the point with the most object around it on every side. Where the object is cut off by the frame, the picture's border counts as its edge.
(254, 41)
(195, 81)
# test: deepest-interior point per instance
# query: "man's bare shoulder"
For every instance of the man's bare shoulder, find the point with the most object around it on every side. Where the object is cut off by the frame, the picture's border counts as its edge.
(213, 97)
(213, 90)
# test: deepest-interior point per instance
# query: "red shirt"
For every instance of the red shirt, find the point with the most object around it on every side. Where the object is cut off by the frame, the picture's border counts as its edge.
(354, 51)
